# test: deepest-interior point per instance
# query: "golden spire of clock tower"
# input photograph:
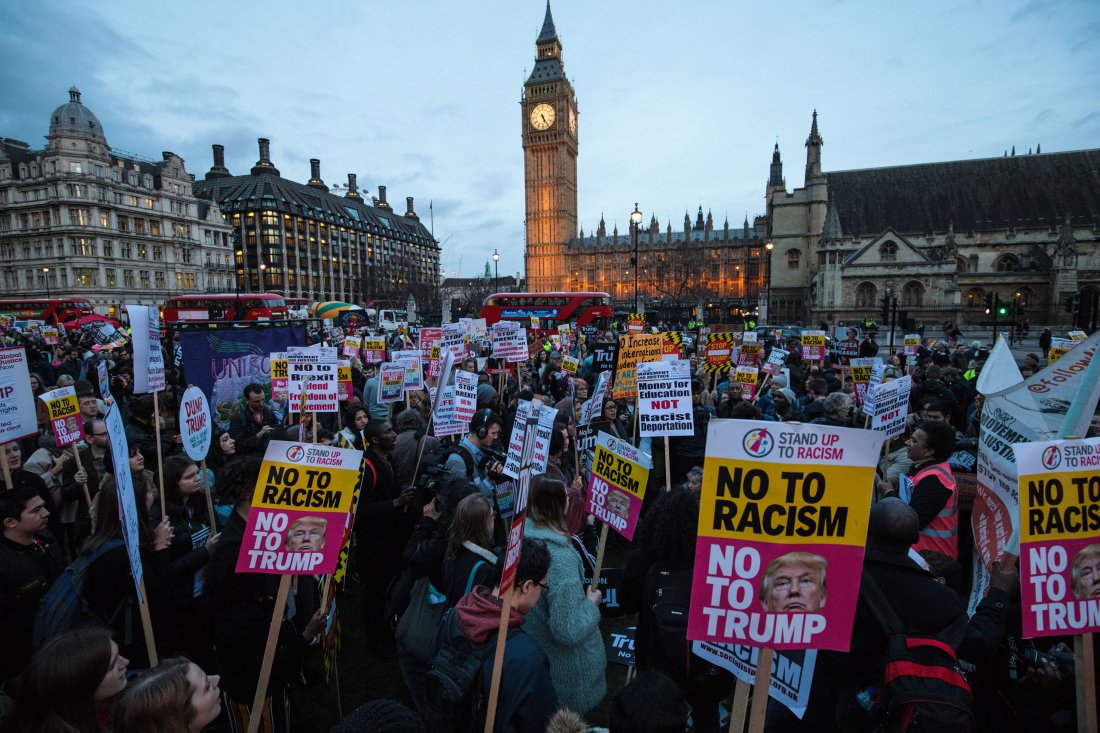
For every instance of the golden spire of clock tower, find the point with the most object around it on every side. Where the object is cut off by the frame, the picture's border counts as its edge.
(550, 135)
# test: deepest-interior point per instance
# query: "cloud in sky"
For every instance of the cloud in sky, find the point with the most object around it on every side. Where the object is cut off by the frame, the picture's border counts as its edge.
(679, 104)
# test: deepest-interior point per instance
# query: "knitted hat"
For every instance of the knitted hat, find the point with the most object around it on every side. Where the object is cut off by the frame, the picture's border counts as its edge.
(380, 716)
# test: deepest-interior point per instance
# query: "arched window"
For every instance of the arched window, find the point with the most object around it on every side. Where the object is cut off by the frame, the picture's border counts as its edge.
(888, 252)
(1024, 295)
(960, 264)
(792, 259)
(912, 294)
(866, 295)
(1006, 263)
(975, 298)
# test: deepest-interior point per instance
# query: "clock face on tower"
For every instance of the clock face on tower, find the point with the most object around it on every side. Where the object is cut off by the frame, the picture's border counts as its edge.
(572, 122)
(542, 117)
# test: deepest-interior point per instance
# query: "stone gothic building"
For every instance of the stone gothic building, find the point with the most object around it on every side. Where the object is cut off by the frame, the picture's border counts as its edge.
(939, 237)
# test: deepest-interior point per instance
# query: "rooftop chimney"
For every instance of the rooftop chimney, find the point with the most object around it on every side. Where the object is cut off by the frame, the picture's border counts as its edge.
(409, 211)
(218, 170)
(353, 188)
(315, 175)
(263, 165)
(382, 198)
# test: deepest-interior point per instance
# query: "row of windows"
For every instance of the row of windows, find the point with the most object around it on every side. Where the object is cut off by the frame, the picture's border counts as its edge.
(89, 277)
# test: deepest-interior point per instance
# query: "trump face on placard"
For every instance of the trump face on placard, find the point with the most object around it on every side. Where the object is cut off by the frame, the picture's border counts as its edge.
(794, 582)
(1085, 573)
(306, 534)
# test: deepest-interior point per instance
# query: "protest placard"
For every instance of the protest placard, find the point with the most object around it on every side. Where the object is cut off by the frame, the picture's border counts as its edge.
(617, 484)
(196, 424)
(635, 323)
(718, 353)
(465, 396)
(509, 341)
(374, 350)
(279, 375)
(664, 398)
(777, 358)
(781, 503)
(344, 391)
(747, 377)
(861, 375)
(64, 410)
(352, 344)
(148, 360)
(303, 495)
(314, 371)
(454, 338)
(890, 401)
(813, 346)
(910, 344)
(1077, 335)
(749, 353)
(619, 645)
(593, 407)
(541, 446)
(792, 670)
(569, 364)
(391, 382)
(604, 356)
(104, 380)
(634, 349)
(1058, 348)
(50, 336)
(1059, 485)
(410, 359)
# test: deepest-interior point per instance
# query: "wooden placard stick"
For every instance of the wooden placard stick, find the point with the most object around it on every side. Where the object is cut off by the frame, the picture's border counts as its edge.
(255, 715)
(420, 449)
(4, 465)
(761, 688)
(498, 661)
(313, 426)
(668, 466)
(740, 710)
(635, 438)
(1086, 683)
(147, 626)
(160, 458)
(598, 568)
(209, 499)
(76, 456)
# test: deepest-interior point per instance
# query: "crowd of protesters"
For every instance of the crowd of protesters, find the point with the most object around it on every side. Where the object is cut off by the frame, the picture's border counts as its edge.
(428, 546)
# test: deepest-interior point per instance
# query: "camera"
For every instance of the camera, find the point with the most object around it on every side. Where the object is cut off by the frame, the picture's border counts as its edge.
(427, 485)
(1062, 659)
(489, 457)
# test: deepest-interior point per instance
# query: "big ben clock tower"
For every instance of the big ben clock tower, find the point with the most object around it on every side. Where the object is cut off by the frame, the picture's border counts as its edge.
(549, 119)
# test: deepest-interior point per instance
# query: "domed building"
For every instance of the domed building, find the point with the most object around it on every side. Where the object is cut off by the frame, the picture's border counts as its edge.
(80, 220)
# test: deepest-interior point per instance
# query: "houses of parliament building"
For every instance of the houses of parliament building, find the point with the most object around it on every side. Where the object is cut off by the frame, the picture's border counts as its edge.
(937, 237)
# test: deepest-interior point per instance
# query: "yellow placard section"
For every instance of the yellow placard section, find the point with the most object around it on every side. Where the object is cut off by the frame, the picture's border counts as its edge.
(810, 339)
(750, 347)
(279, 369)
(743, 377)
(861, 374)
(435, 352)
(63, 407)
(343, 373)
(785, 503)
(634, 349)
(1060, 506)
(304, 488)
(374, 344)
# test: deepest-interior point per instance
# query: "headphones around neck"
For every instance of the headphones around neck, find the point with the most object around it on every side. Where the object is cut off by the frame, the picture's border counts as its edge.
(483, 423)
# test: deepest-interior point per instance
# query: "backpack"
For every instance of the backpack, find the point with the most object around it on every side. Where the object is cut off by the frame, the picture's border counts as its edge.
(63, 607)
(454, 696)
(923, 686)
(666, 599)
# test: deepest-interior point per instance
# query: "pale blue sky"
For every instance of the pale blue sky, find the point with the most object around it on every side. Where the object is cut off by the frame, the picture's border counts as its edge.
(680, 103)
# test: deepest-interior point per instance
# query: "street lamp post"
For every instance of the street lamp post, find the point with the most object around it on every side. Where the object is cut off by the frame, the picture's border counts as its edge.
(635, 220)
(237, 284)
(496, 269)
(769, 246)
(46, 270)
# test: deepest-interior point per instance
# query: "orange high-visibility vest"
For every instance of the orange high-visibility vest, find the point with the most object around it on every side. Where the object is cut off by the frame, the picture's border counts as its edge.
(941, 534)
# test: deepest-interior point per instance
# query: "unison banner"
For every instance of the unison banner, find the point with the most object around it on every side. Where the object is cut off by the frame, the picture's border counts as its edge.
(223, 363)
(783, 519)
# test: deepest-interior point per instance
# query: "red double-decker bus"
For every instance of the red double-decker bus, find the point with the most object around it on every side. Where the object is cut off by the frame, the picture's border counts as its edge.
(224, 307)
(552, 309)
(50, 310)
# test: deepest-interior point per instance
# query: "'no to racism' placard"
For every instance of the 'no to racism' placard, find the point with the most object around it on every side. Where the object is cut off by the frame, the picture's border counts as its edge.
(616, 486)
(664, 398)
(782, 526)
(1059, 536)
(299, 509)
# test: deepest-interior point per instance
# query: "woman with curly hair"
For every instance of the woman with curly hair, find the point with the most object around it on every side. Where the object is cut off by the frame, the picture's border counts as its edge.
(658, 576)
(176, 696)
(70, 684)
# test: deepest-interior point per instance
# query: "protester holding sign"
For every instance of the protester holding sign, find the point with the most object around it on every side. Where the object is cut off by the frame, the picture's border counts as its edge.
(565, 621)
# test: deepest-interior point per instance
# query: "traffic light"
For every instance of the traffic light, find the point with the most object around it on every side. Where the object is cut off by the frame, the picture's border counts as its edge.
(886, 309)
(988, 303)
(1002, 310)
